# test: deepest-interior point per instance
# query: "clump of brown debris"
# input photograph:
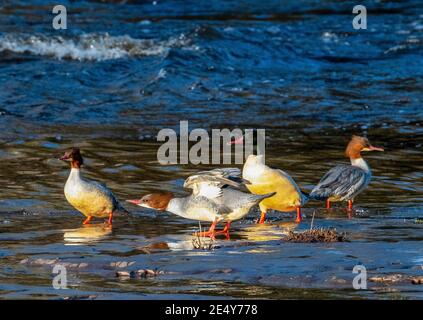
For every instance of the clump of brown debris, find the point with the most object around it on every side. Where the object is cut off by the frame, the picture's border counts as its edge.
(394, 278)
(316, 235)
(201, 243)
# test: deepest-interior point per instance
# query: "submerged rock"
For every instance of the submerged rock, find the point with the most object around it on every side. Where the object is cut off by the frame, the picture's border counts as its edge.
(51, 262)
(390, 278)
(397, 277)
(417, 280)
(121, 264)
(141, 273)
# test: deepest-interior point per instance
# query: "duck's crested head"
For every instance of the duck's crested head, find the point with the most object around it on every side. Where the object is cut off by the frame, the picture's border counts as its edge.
(358, 144)
(74, 156)
(158, 200)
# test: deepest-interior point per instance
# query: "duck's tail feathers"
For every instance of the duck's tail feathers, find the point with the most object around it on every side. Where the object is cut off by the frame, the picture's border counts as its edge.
(319, 194)
(259, 197)
(305, 197)
(120, 210)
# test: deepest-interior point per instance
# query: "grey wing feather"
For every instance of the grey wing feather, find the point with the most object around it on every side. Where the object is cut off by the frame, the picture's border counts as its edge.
(225, 172)
(224, 209)
(217, 177)
(341, 181)
(102, 188)
(204, 202)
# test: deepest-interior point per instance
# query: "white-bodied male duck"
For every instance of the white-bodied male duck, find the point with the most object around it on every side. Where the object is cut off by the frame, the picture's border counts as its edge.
(214, 198)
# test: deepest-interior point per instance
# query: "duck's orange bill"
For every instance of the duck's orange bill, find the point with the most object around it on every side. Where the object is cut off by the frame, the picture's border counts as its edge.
(239, 140)
(134, 201)
(372, 148)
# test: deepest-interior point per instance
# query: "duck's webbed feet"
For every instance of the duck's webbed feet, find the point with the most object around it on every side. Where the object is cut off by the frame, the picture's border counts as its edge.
(212, 232)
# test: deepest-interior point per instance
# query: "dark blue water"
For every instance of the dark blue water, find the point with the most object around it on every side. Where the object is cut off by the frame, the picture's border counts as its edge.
(216, 63)
(125, 69)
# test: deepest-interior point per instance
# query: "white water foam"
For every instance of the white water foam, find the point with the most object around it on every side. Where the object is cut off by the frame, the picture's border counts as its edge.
(90, 47)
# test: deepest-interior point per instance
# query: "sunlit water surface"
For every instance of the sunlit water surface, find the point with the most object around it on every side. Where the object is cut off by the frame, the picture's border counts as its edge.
(121, 72)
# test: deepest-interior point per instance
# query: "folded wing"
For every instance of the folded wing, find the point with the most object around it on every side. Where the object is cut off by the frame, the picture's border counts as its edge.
(341, 182)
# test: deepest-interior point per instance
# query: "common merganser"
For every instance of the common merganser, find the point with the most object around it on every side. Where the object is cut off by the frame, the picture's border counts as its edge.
(91, 198)
(213, 199)
(345, 182)
(264, 180)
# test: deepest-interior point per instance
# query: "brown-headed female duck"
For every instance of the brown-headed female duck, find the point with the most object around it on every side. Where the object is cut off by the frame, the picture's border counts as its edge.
(345, 182)
(91, 198)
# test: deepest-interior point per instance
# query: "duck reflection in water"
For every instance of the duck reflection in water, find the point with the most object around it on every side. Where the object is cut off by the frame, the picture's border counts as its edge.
(87, 233)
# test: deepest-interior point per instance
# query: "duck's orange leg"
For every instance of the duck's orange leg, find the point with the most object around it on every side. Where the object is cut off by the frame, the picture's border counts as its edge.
(87, 221)
(211, 233)
(262, 217)
(227, 226)
(327, 204)
(298, 218)
(225, 230)
(350, 208)
(110, 220)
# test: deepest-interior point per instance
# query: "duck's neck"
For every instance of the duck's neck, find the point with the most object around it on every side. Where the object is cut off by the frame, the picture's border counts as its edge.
(177, 206)
(253, 170)
(359, 162)
(76, 163)
(75, 173)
